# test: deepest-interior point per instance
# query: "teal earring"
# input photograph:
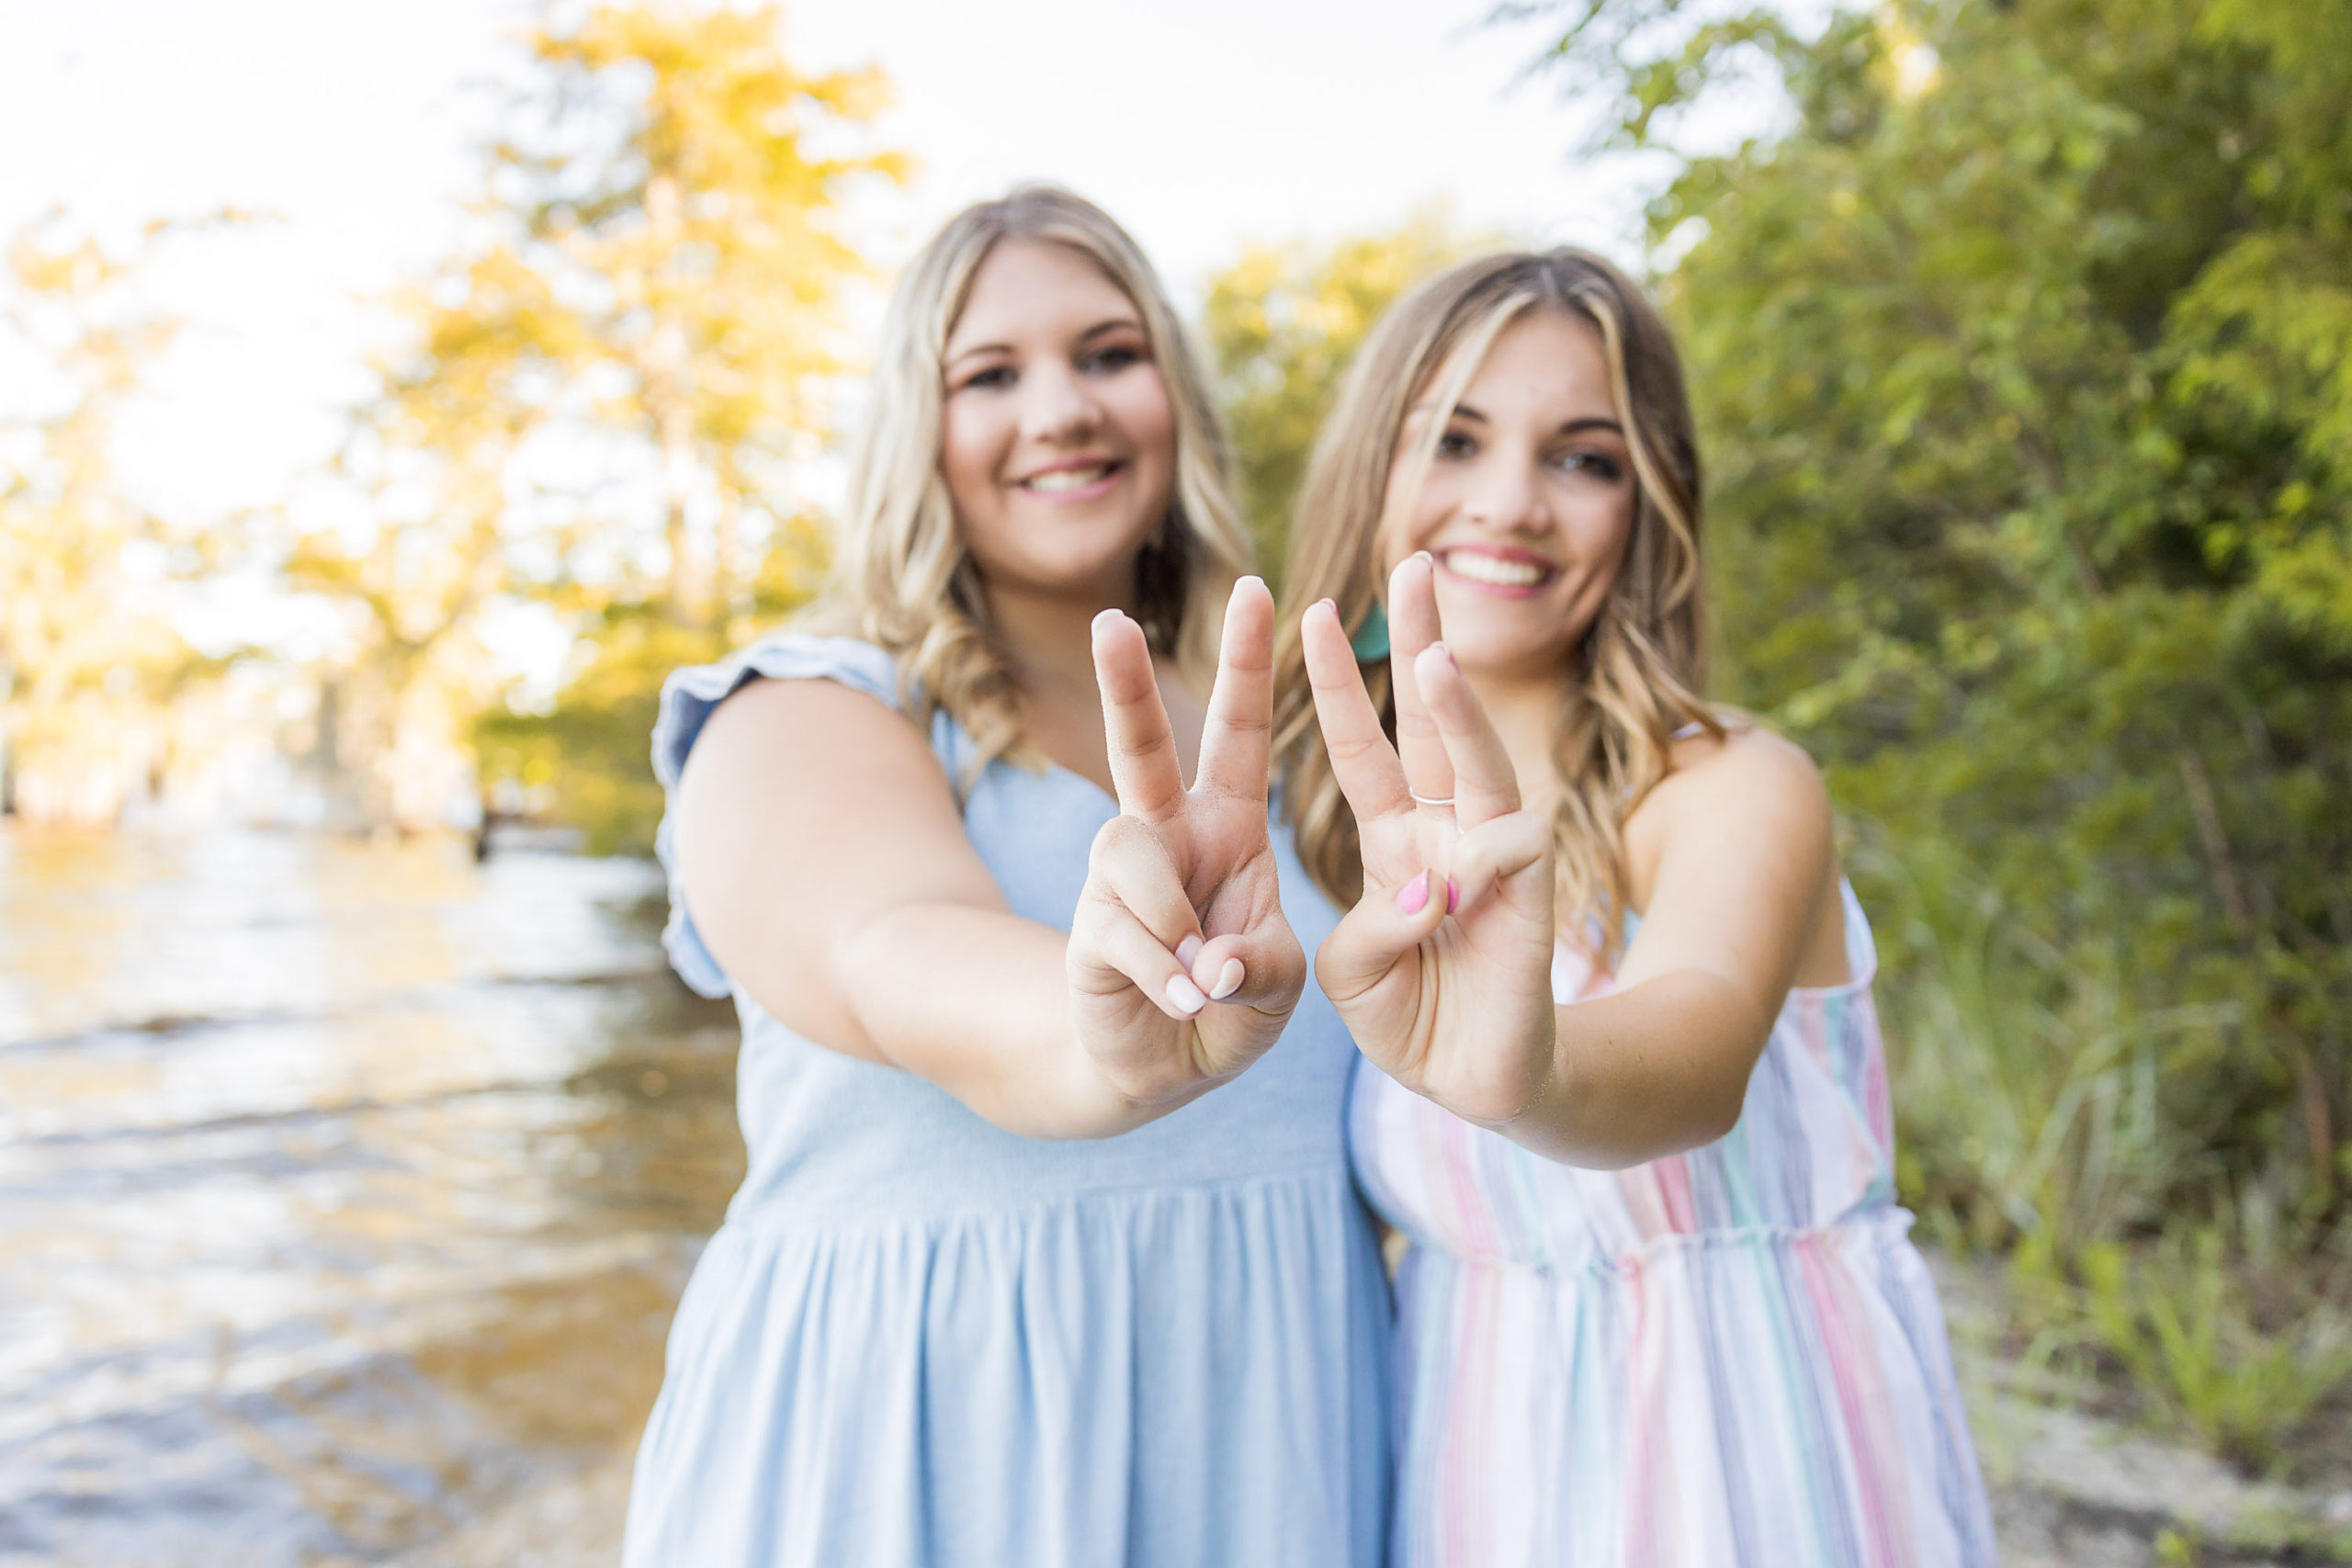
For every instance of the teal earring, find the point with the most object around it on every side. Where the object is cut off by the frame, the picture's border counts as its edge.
(1371, 641)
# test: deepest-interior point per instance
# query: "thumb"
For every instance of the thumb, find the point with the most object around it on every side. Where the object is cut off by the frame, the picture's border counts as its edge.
(1386, 924)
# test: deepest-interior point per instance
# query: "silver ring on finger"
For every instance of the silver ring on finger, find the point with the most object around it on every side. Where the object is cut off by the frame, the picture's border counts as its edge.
(1421, 799)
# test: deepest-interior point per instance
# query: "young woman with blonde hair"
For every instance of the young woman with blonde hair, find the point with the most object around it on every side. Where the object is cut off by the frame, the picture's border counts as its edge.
(1048, 1251)
(1657, 1304)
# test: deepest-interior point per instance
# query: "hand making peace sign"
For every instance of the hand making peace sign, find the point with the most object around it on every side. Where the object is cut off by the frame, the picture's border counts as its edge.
(1182, 970)
(1456, 1006)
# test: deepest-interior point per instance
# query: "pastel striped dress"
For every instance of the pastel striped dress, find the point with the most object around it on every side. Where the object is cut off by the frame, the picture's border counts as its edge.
(1729, 1356)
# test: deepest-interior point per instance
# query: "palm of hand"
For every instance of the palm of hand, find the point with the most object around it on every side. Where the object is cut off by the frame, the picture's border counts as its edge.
(1183, 968)
(1456, 1005)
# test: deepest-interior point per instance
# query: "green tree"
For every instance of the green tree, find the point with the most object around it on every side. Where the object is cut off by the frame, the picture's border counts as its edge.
(1282, 321)
(607, 387)
(2021, 349)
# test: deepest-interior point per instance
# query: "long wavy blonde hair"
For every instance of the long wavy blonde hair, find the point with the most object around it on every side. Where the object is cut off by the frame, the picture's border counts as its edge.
(904, 579)
(1639, 670)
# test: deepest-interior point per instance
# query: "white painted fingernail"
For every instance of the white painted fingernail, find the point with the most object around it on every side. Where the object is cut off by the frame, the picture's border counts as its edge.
(1229, 981)
(1188, 949)
(1185, 995)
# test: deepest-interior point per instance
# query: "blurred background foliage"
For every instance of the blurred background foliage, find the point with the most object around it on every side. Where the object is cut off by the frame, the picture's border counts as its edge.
(2023, 349)
(2022, 335)
(89, 665)
(606, 391)
(1282, 323)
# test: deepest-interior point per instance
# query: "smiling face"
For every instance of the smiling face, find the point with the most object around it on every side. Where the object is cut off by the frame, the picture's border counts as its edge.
(1057, 440)
(1528, 502)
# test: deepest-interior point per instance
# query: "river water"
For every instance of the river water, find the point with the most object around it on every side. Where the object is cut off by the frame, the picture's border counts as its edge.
(346, 1192)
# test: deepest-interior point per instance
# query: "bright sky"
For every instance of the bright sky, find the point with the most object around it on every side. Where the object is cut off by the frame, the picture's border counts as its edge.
(1203, 125)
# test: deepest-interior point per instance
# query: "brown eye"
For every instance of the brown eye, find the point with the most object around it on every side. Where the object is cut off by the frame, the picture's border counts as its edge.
(1599, 464)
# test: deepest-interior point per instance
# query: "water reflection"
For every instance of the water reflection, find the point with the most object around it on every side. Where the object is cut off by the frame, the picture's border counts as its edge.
(345, 1192)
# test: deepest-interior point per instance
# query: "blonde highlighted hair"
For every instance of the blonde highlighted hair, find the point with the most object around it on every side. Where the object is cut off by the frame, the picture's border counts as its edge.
(1642, 664)
(903, 578)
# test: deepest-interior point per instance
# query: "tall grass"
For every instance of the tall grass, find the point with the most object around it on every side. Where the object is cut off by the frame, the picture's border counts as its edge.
(2030, 1123)
(2026, 1082)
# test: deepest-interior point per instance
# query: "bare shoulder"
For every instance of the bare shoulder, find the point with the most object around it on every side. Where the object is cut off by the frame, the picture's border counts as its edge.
(1749, 782)
(1742, 829)
(775, 734)
(806, 808)
(1748, 761)
(795, 781)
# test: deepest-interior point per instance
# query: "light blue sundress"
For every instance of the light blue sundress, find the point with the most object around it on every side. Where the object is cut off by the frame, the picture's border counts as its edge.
(921, 1339)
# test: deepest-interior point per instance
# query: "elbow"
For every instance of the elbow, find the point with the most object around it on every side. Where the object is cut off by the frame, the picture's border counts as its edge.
(1719, 1114)
(1719, 1101)
(1700, 1119)
(1706, 1111)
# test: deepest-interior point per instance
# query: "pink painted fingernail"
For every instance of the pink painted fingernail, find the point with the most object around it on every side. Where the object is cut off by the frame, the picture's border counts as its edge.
(1185, 995)
(1452, 895)
(1188, 949)
(1414, 894)
(1229, 981)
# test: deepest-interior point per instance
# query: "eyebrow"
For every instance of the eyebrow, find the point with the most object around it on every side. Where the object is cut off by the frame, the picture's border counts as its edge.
(1571, 427)
(1108, 324)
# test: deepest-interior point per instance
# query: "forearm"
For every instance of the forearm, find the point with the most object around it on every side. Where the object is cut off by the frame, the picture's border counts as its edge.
(1644, 1073)
(978, 1002)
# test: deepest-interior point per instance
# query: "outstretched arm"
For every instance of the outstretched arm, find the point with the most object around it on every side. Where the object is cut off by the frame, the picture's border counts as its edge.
(1737, 850)
(1734, 849)
(826, 864)
(827, 867)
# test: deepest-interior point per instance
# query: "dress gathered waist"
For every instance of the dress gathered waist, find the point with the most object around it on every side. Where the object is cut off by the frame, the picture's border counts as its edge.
(783, 1212)
(1878, 1223)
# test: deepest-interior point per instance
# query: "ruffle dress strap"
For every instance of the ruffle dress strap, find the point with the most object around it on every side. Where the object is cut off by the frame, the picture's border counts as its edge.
(689, 697)
(1862, 944)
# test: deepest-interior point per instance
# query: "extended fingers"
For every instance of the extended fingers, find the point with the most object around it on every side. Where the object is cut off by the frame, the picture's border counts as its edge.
(1412, 626)
(1241, 706)
(1485, 784)
(1143, 749)
(1362, 759)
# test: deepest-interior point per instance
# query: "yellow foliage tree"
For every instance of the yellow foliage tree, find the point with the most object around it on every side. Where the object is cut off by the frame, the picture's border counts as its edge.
(88, 659)
(606, 387)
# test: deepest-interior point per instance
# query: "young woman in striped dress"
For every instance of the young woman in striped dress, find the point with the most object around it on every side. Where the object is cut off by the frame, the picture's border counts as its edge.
(1625, 1097)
